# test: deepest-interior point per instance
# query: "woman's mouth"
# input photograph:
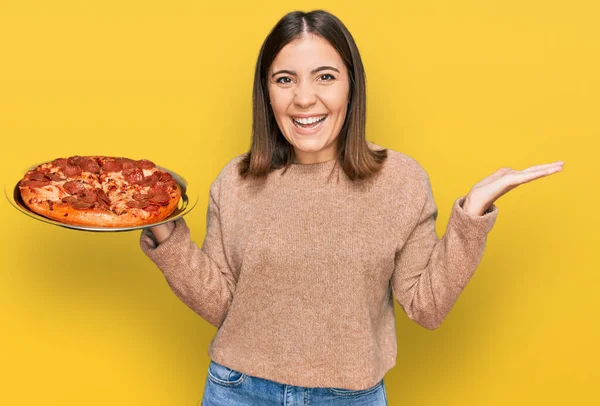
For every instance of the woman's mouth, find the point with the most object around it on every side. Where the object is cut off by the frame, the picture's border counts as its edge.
(308, 125)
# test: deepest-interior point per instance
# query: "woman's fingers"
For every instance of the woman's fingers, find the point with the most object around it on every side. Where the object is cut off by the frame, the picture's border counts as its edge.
(527, 175)
(545, 166)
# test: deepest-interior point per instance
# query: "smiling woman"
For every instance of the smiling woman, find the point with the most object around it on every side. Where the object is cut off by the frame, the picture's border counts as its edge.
(299, 272)
(309, 99)
(310, 103)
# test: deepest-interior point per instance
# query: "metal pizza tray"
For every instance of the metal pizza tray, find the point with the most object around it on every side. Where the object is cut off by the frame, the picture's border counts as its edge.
(186, 203)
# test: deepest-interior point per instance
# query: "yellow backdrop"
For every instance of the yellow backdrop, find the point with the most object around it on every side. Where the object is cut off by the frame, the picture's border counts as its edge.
(465, 87)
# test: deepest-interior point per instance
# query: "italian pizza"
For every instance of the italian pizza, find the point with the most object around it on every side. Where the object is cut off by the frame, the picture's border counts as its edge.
(100, 191)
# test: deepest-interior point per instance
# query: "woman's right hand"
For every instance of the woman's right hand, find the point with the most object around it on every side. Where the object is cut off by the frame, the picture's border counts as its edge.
(162, 231)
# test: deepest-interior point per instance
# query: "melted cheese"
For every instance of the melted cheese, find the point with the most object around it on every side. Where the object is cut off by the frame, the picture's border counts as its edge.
(123, 193)
(51, 192)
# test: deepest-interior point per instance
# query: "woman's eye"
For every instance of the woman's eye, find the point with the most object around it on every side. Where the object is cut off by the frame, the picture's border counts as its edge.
(327, 74)
(283, 77)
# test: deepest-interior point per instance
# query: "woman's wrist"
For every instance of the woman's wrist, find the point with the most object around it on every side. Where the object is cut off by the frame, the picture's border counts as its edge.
(162, 231)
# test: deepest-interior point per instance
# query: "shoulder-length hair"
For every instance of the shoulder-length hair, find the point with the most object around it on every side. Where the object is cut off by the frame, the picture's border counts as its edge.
(269, 149)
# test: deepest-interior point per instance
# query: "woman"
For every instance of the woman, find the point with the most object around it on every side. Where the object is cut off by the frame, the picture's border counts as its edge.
(314, 233)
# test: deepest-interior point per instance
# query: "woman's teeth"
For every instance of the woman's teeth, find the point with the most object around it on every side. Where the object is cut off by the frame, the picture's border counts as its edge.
(309, 123)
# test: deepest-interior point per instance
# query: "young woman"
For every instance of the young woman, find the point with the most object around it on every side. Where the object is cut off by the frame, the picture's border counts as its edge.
(313, 233)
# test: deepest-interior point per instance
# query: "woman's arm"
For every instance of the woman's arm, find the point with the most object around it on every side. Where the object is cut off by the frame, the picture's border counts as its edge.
(430, 273)
(200, 277)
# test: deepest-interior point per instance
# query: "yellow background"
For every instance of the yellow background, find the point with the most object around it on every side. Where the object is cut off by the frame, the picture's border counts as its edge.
(464, 87)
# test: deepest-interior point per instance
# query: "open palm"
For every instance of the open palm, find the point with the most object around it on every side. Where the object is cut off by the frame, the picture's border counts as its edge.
(487, 191)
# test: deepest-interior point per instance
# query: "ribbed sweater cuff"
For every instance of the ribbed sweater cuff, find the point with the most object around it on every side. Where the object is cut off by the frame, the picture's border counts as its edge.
(469, 225)
(170, 249)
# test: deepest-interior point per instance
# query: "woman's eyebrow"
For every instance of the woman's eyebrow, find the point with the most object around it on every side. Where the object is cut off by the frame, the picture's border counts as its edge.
(320, 68)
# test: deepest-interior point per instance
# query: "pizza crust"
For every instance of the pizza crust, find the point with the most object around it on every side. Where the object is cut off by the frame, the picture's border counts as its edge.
(64, 213)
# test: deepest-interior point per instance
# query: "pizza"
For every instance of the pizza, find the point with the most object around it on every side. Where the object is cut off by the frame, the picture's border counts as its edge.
(100, 191)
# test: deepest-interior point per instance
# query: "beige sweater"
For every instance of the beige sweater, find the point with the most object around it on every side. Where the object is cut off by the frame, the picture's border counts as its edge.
(299, 272)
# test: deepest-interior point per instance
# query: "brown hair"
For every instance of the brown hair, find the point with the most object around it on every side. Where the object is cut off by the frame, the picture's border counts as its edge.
(270, 150)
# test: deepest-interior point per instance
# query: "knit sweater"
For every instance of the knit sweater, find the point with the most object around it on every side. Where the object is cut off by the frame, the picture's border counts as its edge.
(299, 271)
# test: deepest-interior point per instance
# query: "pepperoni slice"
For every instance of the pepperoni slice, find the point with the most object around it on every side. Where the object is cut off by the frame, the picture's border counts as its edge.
(137, 204)
(102, 196)
(35, 183)
(86, 163)
(87, 196)
(145, 164)
(36, 176)
(112, 165)
(76, 203)
(54, 177)
(89, 165)
(81, 205)
(73, 160)
(127, 163)
(74, 187)
(71, 170)
(133, 175)
(161, 198)
(159, 187)
(152, 208)
(168, 180)
(69, 200)
(60, 162)
(140, 196)
(150, 180)
(165, 177)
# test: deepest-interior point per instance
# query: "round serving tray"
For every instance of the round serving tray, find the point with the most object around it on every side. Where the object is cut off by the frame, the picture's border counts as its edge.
(185, 205)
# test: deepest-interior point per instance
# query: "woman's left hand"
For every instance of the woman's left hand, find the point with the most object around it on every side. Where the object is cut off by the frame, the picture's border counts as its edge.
(486, 192)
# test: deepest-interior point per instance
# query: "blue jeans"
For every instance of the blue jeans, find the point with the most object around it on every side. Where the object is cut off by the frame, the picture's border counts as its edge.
(227, 387)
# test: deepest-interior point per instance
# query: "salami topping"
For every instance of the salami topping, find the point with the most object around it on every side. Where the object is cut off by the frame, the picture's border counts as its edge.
(73, 187)
(140, 196)
(81, 205)
(133, 175)
(112, 165)
(71, 170)
(60, 162)
(152, 208)
(159, 187)
(168, 180)
(161, 198)
(79, 161)
(137, 204)
(36, 176)
(151, 180)
(127, 163)
(165, 177)
(88, 196)
(69, 200)
(86, 163)
(145, 164)
(54, 177)
(35, 183)
(76, 203)
(89, 165)
(102, 196)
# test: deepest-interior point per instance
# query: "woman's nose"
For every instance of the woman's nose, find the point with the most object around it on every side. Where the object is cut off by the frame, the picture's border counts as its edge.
(305, 95)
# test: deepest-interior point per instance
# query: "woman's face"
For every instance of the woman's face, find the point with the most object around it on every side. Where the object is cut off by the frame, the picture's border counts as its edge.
(308, 81)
